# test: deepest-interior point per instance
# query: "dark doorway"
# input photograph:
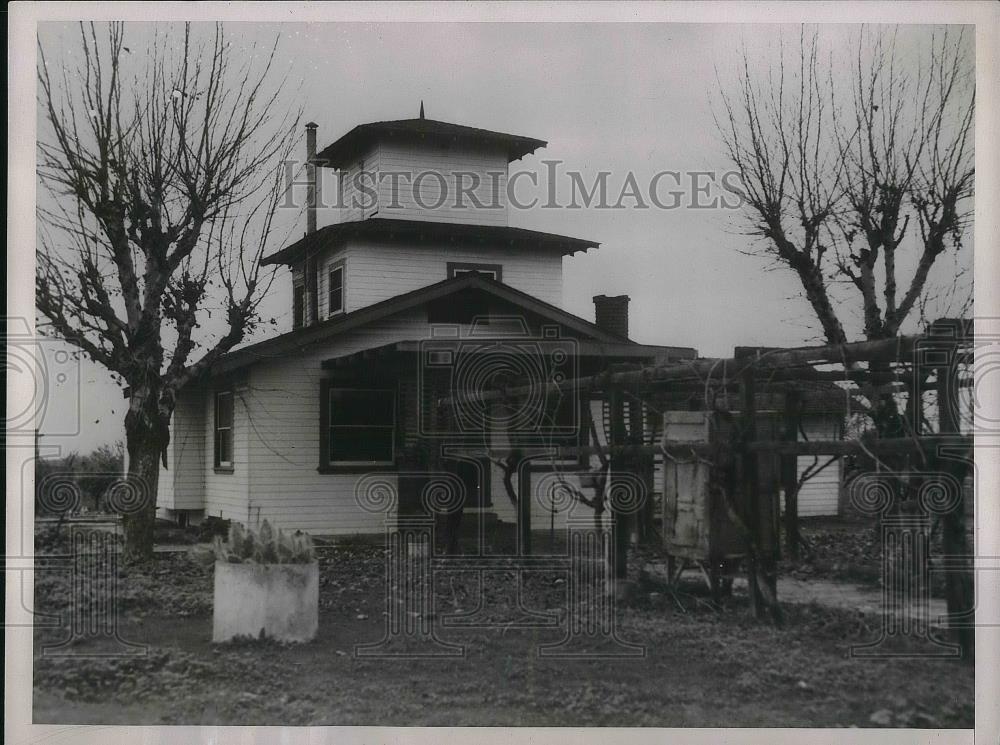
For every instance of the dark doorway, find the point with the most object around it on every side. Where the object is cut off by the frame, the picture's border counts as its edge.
(475, 478)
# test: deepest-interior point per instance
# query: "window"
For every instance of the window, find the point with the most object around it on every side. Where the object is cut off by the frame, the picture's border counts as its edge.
(358, 426)
(562, 425)
(298, 306)
(563, 419)
(224, 430)
(336, 290)
(490, 271)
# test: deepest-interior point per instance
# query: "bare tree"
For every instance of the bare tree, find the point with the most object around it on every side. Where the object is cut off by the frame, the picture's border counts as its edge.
(841, 180)
(861, 176)
(163, 190)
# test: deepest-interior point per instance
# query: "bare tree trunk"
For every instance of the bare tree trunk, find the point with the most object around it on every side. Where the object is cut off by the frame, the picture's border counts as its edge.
(144, 453)
(147, 434)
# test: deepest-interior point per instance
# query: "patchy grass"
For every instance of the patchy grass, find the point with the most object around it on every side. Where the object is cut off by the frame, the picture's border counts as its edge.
(704, 664)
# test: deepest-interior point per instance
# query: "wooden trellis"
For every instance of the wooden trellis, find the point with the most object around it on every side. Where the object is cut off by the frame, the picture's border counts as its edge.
(907, 362)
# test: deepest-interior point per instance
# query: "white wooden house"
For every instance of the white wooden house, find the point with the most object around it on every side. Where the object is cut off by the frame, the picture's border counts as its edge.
(287, 429)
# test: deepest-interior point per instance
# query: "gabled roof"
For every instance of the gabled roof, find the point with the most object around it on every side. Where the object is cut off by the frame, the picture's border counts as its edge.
(300, 339)
(423, 231)
(345, 149)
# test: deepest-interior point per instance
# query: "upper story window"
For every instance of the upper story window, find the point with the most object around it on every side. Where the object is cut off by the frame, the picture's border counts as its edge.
(298, 306)
(224, 430)
(335, 290)
(490, 271)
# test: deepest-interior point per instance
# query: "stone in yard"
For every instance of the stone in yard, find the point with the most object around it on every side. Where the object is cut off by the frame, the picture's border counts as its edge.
(923, 720)
(882, 718)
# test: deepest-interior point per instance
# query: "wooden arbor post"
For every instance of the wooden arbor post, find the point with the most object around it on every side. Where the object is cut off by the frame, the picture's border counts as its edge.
(761, 569)
(790, 473)
(960, 586)
(619, 464)
(523, 466)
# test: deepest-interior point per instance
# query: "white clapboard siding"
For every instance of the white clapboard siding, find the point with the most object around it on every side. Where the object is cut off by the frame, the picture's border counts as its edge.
(227, 494)
(820, 495)
(165, 499)
(353, 203)
(376, 271)
(286, 487)
(434, 195)
(182, 485)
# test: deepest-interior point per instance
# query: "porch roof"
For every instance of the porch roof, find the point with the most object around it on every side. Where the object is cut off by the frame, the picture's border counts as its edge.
(622, 351)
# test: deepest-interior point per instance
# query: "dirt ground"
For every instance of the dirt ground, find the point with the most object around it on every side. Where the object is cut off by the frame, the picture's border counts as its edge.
(704, 664)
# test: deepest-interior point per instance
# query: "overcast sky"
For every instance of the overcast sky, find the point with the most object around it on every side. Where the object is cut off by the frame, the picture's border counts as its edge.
(607, 97)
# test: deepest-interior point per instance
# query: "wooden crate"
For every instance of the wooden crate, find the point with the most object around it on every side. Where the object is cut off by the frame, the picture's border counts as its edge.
(696, 524)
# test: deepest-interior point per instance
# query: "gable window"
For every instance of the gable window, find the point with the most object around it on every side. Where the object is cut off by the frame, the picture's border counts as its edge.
(298, 306)
(490, 271)
(224, 430)
(335, 295)
(358, 426)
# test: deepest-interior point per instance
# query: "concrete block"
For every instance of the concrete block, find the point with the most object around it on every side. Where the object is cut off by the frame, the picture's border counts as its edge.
(281, 599)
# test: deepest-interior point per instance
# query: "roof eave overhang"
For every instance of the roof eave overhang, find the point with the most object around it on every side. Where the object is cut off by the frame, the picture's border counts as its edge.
(426, 230)
(343, 151)
(295, 341)
(618, 351)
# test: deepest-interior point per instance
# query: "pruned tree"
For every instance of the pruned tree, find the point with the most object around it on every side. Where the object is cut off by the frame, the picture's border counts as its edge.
(163, 180)
(859, 175)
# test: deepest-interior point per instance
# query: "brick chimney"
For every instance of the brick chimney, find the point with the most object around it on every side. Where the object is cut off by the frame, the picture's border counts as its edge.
(612, 314)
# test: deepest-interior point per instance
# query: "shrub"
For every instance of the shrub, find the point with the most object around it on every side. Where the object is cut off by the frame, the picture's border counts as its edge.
(263, 546)
(212, 526)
